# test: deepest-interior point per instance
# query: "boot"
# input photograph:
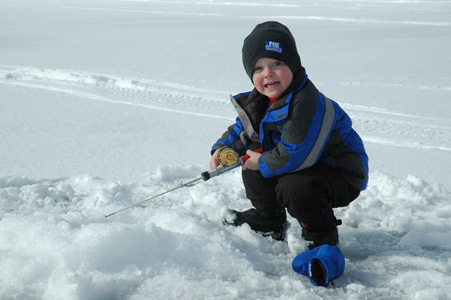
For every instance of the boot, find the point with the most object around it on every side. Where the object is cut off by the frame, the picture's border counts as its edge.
(322, 264)
(274, 225)
(329, 237)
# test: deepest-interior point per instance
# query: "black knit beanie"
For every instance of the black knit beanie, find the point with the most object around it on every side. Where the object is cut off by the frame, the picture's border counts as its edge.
(270, 40)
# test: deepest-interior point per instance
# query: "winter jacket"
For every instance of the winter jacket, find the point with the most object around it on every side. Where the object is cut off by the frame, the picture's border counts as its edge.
(302, 128)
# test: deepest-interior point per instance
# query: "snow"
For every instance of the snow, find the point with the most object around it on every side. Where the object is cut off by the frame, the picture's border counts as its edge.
(105, 103)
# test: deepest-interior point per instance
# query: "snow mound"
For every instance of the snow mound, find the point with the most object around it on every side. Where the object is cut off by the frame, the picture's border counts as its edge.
(57, 244)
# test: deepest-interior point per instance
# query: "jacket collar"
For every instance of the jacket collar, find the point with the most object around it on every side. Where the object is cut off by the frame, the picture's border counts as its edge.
(253, 101)
(299, 81)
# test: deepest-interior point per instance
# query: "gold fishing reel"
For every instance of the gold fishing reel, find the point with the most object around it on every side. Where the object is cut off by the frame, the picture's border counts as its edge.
(227, 156)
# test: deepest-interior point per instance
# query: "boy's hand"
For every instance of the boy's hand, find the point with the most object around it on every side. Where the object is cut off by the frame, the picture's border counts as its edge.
(252, 162)
(214, 163)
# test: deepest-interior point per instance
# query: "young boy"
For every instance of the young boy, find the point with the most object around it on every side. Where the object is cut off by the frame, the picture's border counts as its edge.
(312, 160)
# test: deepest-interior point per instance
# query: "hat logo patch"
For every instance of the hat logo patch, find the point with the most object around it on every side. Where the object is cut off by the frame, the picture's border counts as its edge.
(273, 46)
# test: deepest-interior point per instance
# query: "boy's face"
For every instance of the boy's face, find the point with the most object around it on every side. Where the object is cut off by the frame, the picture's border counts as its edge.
(271, 77)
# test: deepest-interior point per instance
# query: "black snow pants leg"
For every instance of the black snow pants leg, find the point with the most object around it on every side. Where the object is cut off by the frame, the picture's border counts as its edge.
(261, 192)
(308, 195)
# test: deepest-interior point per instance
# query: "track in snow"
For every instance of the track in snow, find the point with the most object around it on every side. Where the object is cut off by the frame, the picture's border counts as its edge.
(376, 125)
(144, 93)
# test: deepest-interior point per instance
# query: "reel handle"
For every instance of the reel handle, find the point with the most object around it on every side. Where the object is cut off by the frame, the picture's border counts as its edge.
(244, 158)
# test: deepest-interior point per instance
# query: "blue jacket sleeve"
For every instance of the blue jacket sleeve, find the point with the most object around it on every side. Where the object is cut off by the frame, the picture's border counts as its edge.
(235, 137)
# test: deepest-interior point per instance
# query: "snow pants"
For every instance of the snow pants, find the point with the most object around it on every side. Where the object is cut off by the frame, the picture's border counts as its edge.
(308, 195)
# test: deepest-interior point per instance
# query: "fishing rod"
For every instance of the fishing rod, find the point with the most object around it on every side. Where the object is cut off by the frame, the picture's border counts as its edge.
(228, 159)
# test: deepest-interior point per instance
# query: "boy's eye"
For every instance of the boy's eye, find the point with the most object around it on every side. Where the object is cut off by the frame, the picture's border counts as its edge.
(277, 63)
(257, 69)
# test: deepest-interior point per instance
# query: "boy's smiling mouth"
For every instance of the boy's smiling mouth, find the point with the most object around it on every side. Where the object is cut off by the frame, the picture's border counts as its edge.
(272, 84)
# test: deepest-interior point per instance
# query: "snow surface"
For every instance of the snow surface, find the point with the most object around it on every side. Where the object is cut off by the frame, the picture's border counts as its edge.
(105, 103)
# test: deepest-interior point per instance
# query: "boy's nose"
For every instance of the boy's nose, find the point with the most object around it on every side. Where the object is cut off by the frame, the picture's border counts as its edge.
(267, 71)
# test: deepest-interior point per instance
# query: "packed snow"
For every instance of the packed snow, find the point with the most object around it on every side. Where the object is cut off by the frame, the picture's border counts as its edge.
(105, 103)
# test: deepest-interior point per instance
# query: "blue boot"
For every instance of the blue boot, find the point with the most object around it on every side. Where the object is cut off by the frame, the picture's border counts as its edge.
(322, 264)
